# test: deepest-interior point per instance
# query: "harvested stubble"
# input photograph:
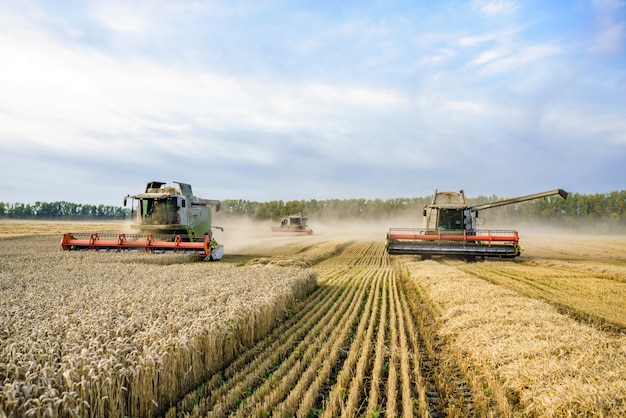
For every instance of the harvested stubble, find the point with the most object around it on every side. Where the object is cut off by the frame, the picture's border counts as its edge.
(341, 354)
(523, 354)
(96, 334)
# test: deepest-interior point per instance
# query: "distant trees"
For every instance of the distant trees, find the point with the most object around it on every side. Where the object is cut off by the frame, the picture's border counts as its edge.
(62, 211)
(600, 212)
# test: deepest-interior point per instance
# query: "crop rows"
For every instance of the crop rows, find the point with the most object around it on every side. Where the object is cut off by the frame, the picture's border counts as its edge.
(354, 347)
(103, 334)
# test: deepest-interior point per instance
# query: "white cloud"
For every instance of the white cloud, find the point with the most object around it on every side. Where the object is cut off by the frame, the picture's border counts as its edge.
(576, 126)
(488, 56)
(493, 8)
(75, 99)
(353, 96)
(494, 62)
(122, 17)
(343, 98)
(437, 58)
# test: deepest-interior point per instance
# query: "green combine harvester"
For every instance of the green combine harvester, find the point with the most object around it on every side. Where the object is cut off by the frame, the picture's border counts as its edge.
(450, 229)
(168, 219)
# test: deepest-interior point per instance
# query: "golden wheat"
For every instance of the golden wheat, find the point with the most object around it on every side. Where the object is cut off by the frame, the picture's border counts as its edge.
(138, 334)
(93, 334)
(529, 358)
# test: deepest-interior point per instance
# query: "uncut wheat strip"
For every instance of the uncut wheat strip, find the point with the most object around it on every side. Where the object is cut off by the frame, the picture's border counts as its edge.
(537, 354)
(583, 295)
(605, 269)
(359, 352)
(87, 394)
(120, 385)
(356, 390)
(577, 290)
(531, 281)
(250, 374)
(270, 392)
(603, 249)
(307, 389)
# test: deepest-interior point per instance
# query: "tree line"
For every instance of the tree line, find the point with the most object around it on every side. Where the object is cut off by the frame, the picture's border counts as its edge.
(601, 212)
(62, 211)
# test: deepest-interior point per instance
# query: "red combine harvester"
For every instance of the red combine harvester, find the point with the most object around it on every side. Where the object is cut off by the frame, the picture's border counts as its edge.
(168, 219)
(293, 223)
(450, 230)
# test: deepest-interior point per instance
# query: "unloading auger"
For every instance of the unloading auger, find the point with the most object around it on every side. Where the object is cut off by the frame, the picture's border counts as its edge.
(168, 219)
(450, 230)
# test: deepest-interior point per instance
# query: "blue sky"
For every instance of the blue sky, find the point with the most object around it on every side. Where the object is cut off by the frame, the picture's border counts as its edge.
(286, 100)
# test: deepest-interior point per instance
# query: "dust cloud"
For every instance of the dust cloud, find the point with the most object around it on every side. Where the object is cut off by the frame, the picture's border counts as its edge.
(242, 235)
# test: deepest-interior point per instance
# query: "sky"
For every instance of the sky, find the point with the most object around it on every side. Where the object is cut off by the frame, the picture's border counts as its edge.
(299, 100)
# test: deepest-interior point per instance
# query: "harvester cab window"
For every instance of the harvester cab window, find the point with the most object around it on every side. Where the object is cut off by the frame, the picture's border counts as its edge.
(172, 206)
(160, 212)
(146, 211)
(450, 219)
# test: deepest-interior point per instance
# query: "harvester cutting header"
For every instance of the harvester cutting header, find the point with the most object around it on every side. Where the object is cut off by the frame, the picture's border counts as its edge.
(167, 218)
(450, 229)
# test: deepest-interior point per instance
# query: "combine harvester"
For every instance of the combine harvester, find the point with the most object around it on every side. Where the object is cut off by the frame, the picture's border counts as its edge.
(293, 223)
(168, 219)
(450, 230)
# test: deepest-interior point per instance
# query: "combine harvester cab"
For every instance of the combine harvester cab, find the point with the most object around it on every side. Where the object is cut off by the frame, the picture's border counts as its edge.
(167, 219)
(293, 223)
(450, 230)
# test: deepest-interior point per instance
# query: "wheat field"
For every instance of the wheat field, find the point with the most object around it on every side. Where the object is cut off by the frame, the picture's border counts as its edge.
(95, 334)
(323, 325)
